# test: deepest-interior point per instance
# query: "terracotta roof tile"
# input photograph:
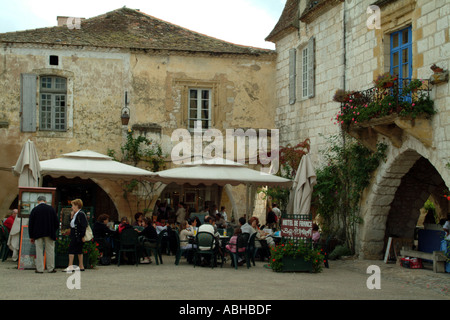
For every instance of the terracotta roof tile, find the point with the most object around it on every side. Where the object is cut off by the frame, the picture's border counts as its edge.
(132, 29)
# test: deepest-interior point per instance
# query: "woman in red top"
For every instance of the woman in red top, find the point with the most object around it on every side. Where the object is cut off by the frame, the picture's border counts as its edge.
(8, 223)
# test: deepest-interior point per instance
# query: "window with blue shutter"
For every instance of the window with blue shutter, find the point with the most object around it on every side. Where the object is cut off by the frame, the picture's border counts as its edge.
(28, 102)
(401, 53)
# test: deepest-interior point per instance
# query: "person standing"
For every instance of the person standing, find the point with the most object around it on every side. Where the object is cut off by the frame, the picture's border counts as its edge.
(42, 227)
(277, 212)
(78, 226)
(181, 213)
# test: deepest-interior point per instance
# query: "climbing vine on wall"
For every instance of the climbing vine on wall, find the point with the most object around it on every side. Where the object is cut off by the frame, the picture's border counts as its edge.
(341, 182)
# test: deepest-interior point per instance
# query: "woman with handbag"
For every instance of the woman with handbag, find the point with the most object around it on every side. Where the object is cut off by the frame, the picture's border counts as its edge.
(78, 226)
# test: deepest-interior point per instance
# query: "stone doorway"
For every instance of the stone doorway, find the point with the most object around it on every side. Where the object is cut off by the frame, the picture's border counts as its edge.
(392, 206)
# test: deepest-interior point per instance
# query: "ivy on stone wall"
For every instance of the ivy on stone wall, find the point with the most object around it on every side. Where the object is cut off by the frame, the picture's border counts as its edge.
(340, 184)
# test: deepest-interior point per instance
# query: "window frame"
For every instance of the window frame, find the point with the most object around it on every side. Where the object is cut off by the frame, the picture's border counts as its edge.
(199, 108)
(53, 94)
(399, 49)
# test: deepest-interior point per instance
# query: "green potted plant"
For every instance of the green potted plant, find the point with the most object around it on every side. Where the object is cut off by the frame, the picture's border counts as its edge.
(291, 257)
(385, 80)
(90, 253)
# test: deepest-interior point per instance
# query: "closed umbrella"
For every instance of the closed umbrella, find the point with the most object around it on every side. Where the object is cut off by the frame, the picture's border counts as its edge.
(27, 166)
(302, 188)
(28, 169)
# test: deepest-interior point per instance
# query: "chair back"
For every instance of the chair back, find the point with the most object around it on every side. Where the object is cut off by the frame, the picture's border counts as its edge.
(4, 233)
(242, 240)
(251, 242)
(205, 240)
(128, 237)
(163, 233)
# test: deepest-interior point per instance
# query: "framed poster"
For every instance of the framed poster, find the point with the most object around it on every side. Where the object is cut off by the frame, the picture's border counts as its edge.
(28, 199)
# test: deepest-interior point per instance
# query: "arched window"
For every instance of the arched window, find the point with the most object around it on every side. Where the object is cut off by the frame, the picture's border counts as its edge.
(53, 103)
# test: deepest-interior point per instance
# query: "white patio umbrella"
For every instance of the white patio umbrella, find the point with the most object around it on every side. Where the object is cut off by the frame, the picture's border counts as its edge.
(222, 172)
(219, 171)
(27, 166)
(302, 187)
(89, 164)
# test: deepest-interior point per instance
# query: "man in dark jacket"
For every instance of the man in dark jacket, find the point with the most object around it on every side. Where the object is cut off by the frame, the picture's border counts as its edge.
(42, 228)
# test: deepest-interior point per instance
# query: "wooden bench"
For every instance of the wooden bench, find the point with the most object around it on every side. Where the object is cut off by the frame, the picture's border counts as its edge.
(437, 257)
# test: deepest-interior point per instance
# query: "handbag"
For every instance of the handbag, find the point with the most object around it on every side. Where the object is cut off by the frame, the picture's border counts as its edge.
(88, 235)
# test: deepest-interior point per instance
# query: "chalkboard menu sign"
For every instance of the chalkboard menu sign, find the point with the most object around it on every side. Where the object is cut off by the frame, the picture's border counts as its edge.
(27, 251)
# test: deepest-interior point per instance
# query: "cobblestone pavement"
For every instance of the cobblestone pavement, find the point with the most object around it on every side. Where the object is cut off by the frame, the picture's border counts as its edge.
(344, 280)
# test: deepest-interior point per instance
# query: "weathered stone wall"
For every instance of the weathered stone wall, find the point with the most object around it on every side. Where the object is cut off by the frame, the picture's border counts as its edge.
(97, 81)
(366, 55)
(311, 117)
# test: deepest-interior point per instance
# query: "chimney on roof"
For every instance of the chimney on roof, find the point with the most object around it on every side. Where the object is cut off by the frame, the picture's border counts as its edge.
(71, 21)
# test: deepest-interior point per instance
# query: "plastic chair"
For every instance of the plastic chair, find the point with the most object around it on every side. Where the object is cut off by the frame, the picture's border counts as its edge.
(207, 241)
(128, 243)
(180, 250)
(242, 242)
(250, 251)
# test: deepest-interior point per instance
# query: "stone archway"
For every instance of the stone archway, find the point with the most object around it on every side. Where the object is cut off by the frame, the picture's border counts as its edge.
(391, 205)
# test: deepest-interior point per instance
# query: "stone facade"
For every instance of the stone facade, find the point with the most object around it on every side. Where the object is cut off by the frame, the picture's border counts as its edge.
(155, 80)
(349, 55)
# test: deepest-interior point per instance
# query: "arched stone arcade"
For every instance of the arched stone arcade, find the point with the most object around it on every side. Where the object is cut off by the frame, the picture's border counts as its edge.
(391, 206)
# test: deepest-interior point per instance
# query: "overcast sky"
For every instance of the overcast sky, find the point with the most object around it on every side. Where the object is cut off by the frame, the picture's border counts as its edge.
(246, 22)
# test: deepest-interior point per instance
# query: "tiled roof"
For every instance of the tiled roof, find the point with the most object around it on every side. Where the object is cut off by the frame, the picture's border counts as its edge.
(287, 21)
(131, 29)
(314, 7)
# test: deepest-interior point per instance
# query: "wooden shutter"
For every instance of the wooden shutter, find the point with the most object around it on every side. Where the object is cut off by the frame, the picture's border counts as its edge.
(311, 63)
(28, 102)
(292, 75)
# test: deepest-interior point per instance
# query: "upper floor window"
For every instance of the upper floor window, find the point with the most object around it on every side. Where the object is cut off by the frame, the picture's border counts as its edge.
(401, 53)
(53, 103)
(199, 108)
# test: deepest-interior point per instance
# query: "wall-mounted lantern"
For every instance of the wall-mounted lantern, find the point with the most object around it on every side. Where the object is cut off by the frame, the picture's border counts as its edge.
(125, 111)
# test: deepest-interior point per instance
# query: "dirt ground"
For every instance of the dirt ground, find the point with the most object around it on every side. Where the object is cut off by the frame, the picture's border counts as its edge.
(344, 280)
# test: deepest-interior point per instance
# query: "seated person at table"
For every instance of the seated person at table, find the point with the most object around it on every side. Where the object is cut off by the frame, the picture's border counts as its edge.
(209, 227)
(232, 245)
(101, 231)
(194, 224)
(138, 220)
(148, 238)
(263, 240)
(124, 224)
(186, 231)
(245, 227)
(220, 222)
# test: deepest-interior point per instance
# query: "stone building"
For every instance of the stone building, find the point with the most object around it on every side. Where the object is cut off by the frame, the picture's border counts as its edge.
(66, 88)
(327, 45)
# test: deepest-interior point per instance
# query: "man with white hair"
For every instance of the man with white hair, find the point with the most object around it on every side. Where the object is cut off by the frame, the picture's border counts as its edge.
(42, 228)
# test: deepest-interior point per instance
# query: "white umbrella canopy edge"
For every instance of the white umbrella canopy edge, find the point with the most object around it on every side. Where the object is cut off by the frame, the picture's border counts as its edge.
(221, 173)
(90, 164)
